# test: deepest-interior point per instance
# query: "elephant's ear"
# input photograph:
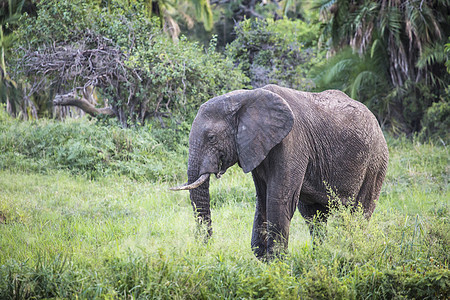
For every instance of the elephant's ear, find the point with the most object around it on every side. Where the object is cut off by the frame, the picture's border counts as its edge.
(263, 120)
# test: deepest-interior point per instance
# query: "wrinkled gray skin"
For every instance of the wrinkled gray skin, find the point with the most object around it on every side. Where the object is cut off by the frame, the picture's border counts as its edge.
(293, 143)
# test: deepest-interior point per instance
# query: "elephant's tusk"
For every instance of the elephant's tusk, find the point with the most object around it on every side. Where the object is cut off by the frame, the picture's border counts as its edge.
(191, 186)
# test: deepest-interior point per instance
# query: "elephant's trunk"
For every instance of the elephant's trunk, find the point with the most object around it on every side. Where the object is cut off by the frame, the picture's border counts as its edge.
(200, 199)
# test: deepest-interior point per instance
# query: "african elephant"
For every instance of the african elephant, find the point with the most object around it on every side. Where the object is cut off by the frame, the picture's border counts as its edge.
(295, 144)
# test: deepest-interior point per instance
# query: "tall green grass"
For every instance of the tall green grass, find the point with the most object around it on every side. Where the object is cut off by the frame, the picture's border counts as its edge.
(65, 235)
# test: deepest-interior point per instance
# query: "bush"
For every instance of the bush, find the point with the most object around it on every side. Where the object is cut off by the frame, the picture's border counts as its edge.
(85, 148)
(280, 52)
(436, 122)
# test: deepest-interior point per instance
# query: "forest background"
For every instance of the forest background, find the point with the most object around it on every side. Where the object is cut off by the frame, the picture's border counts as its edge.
(97, 98)
(162, 59)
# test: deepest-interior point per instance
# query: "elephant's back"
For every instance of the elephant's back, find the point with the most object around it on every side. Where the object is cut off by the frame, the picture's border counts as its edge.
(335, 101)
(331, 106)
(336, 124)
(353, 127)
(334, 105)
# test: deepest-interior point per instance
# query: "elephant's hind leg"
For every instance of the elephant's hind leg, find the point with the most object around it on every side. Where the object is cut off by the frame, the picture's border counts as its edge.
(370, 190)
(315, 215)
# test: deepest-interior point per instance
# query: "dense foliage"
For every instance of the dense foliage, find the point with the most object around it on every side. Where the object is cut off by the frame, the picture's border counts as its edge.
(436, 122)
(91, 150)
(396, 65)
(124, 54)
(281, 52)
(388, 54)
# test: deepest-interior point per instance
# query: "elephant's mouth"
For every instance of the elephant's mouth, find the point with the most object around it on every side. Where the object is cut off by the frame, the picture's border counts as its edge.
(219, 174)
(222, 167)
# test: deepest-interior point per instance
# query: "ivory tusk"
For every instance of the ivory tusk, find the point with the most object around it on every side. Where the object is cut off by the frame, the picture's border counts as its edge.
(191, 186)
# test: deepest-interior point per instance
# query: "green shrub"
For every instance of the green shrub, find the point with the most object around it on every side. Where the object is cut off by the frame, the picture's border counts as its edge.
(404, 283)
(280, 52)
(86, 148)
(272, 282)
(320, 283)
(436, 121)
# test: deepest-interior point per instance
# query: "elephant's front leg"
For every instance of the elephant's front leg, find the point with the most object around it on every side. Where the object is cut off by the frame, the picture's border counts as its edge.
(259, 234)
(279, 217)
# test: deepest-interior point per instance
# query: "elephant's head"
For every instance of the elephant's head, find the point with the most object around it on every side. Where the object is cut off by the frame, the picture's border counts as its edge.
(241, 126)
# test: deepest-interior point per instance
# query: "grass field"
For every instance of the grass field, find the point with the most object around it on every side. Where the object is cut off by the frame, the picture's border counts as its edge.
(108, 233)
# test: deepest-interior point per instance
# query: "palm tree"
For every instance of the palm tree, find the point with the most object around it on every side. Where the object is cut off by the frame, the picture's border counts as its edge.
(408, 36)
(9, 14)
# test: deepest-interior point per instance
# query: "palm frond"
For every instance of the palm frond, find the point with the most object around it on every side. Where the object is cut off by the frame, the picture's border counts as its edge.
(365, 79)
(376, 45)
(431, 54)
(204, 13)
(323, 5)
(336, 71)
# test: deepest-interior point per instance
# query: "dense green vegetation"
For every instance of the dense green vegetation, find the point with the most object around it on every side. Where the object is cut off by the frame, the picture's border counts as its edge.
(124, 235)
(395, 63)
(389, 55)
(120, 51)
(281, 52)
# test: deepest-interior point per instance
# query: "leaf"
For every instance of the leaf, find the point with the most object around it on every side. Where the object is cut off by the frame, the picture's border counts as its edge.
(430, 55)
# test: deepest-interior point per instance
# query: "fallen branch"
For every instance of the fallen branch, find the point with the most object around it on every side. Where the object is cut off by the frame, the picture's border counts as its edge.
(73, 99)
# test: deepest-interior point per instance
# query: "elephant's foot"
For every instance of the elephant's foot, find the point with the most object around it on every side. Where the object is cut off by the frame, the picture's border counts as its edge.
(259, 251)
(276, 250)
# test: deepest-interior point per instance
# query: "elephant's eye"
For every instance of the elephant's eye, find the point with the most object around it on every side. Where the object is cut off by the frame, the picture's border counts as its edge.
(212, 138)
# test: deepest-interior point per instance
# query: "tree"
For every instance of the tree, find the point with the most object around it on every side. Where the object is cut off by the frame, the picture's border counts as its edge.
(228, 13)
(281, 51)
(72, 47)
(169, 11)
(406, 38)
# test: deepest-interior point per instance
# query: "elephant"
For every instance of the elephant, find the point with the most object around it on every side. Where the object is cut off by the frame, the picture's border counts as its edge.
(295, 144)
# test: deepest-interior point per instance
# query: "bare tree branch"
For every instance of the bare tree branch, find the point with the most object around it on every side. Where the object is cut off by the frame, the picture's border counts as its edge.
(72, 99)
(92, 60)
